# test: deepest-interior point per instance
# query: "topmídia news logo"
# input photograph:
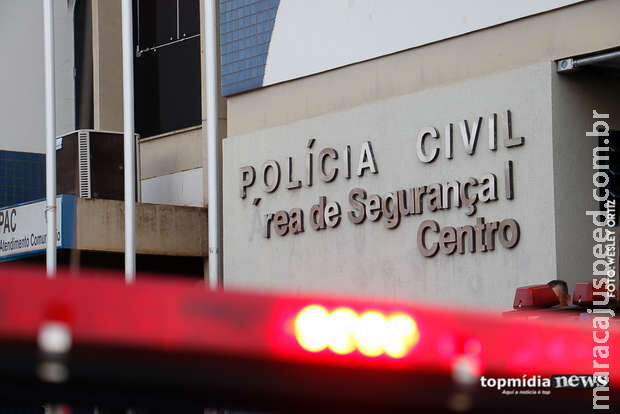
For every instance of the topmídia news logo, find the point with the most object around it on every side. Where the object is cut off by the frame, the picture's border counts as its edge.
(538, 385)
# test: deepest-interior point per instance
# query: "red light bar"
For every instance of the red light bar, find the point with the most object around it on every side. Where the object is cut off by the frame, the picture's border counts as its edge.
(343, 331)
(182, 316)
(585, 291)
(535, 296)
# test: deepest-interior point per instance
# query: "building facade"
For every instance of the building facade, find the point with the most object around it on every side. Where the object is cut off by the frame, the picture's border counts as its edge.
(171, 216)
(417, 150)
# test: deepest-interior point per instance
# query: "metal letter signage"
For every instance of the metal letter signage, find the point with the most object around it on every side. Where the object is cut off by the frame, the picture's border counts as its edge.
(464, 193)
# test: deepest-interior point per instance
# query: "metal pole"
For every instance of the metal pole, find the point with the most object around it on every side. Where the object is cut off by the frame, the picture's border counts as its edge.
(213, 149)
(50, 138)
(603, 57)
(129, 149)
(572, 64)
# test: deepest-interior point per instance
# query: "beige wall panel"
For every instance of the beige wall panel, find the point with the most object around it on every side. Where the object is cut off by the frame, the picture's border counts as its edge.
(370, 259)
(107, 65)
(160, 229)
(170, 153)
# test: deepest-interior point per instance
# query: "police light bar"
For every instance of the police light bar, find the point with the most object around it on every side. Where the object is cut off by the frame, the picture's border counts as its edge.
(183, 315)
(535, 296)
(174, 333)
(586, 293)
(343, 331)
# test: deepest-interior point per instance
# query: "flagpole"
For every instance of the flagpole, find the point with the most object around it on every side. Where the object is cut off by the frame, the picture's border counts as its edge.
(50, 138)
(129, 149)
(215, 276)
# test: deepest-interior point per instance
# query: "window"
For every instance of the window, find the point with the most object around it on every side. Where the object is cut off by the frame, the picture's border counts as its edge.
(167, 65)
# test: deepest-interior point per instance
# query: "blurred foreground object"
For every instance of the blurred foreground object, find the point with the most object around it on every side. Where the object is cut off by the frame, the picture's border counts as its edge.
(172, 343)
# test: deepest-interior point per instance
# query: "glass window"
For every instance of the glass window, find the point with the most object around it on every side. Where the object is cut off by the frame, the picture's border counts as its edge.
(167, 65)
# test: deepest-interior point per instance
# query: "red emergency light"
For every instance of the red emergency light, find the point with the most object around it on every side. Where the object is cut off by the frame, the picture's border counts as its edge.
(535, 296)
(586, 293)
(262, 337)
(343, 331)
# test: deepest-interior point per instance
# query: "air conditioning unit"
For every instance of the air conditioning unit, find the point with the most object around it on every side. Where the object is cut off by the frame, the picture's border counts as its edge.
(89, 164)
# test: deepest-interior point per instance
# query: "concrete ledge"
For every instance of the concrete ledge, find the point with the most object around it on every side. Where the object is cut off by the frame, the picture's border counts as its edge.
(160, 229)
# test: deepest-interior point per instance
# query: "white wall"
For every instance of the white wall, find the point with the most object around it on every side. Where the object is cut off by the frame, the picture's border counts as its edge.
(314, 36)
(183, 188)
(22, 97)
(370, 259)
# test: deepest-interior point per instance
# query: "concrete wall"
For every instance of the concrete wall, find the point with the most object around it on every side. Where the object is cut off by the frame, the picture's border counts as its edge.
(170, 153)
(183, 188)
(162, 230)
(582, 28)
(369, 258)
(575, 96)
(107, 65)
(171, 168)
(22, 102)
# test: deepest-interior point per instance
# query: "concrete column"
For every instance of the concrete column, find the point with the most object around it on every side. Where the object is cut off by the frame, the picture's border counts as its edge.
(107, 65)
